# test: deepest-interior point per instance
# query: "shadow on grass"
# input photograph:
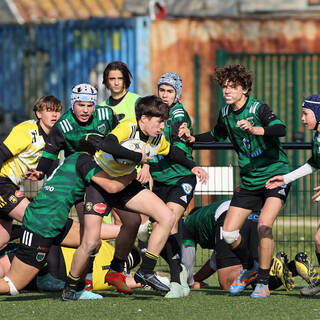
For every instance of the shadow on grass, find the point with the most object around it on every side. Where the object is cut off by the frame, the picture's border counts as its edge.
(138, 294)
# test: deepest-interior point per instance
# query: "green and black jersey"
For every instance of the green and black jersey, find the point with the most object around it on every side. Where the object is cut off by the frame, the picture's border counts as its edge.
(259, 157)
(67, 132)
(314, 161)
(161, 168)
(48, 213)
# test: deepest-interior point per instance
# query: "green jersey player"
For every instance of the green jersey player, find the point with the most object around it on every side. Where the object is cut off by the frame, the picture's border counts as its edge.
(254, 131)
(45, 220)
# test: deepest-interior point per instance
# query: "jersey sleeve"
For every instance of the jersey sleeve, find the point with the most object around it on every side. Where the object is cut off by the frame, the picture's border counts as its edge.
(219, 132)
(87, 167)
(55, 143)
(18, 140)
(124, 130)
(267, 117)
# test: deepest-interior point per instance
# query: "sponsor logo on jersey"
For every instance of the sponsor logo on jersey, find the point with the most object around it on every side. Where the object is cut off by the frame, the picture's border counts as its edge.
(49, 188)
(187, 188)
(40, 256)
(45, 249)
(99, 208)
(19, 194)
(89, 206)
(184, 198)
(13, 199)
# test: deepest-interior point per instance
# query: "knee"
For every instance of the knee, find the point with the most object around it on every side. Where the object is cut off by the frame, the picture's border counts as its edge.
(264, 231)
(230, 236)
(91, 246)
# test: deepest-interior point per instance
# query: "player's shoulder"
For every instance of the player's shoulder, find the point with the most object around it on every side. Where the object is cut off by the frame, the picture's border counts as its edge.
(133, 95)
(26, 125)
(178, 112)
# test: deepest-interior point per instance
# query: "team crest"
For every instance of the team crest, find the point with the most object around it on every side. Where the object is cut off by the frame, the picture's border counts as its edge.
(187, 188)
(88, 206)
(102, 128)
(40, 256)
(13, 199)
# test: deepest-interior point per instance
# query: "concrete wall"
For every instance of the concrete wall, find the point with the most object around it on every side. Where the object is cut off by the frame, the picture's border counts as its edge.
(175, 42)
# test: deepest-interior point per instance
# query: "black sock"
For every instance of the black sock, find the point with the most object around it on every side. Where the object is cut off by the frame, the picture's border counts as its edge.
(149, 262)
(174, 258)
(117, 264)
(74, 283)
(263, 276)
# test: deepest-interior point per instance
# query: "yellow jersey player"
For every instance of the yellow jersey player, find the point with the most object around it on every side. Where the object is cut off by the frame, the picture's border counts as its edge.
(19, 153)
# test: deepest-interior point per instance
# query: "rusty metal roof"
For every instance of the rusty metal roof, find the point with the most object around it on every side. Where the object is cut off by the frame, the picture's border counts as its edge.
(35, 11)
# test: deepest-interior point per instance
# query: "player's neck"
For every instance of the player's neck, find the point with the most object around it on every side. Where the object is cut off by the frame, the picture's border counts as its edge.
(118, 95)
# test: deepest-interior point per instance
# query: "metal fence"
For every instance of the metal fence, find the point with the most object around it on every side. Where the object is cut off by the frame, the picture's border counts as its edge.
(43, 59)
(297, 223)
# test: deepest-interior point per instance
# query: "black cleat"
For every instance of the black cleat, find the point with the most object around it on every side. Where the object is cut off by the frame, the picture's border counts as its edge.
(68, 294)
(151, 280)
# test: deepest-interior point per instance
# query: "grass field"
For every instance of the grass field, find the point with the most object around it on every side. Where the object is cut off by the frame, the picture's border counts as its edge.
(211, 303)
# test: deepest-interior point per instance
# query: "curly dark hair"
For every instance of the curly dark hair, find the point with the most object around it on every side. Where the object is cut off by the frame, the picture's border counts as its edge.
(235, 73)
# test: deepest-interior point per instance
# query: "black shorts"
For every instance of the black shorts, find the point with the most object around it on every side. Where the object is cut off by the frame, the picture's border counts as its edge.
(181, 192)
(225, 257)
(34, 249)
(98, 201)
(10, 197)
(255, 199)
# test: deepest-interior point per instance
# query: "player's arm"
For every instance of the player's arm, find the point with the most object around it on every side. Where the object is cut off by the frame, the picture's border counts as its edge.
(219, 132)
(5, 153)
(88, 169)
(271, 125)
(179, 156)
(110, 144)
(55, 142)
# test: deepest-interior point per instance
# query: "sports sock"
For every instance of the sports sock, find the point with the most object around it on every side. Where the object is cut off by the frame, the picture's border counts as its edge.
(74, 283)
(263, 276)
(117, 265)
(175, 260)
(274, 283)
(149, 262)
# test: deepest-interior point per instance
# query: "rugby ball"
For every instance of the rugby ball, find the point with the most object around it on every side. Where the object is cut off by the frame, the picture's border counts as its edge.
(132, 144)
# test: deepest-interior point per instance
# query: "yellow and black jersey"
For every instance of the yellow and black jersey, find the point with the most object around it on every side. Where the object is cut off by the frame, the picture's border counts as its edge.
(128, 129)
(26, 142)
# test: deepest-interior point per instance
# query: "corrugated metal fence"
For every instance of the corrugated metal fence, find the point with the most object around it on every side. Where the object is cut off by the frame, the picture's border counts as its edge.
(49, 59)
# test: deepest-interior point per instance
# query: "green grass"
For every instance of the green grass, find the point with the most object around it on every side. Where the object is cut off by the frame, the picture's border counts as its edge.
(211, 303)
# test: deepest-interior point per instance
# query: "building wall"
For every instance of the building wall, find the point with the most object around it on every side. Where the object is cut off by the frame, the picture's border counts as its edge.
(174, 43)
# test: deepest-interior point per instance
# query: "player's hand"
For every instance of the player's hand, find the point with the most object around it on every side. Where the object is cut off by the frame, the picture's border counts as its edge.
(34, 175)
(248, 127)
(185, 133)
(199, 285)
(144, 174)
(201, 174)
(145, 158)
(316, 196)
(275, 182)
